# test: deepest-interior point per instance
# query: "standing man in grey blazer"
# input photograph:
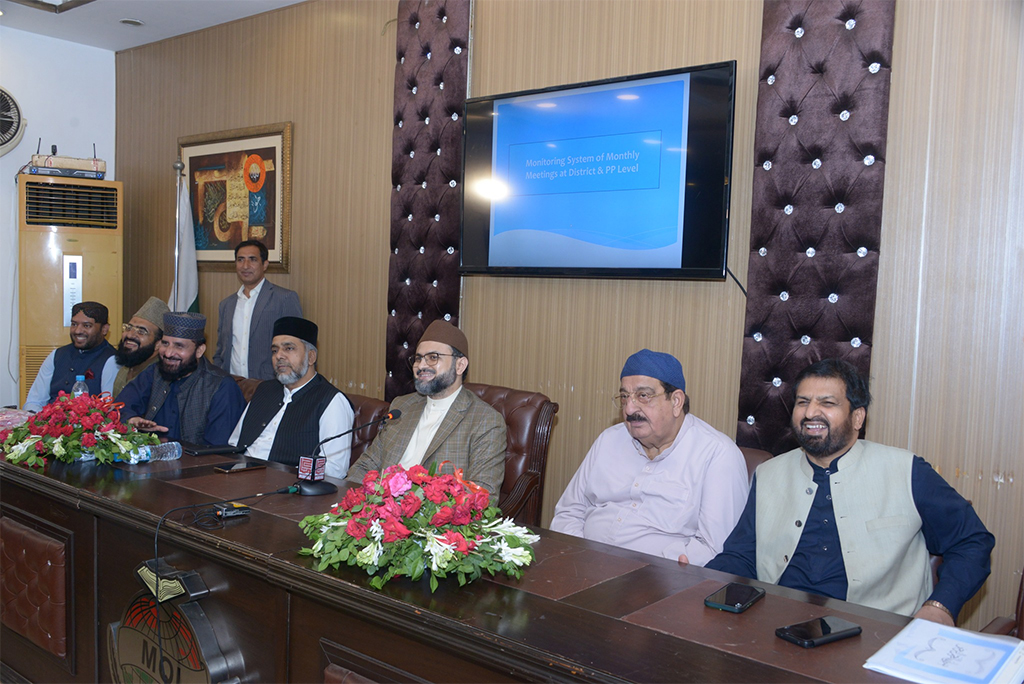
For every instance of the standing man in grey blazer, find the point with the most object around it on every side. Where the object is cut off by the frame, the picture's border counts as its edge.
(246, 318)
(442, 423)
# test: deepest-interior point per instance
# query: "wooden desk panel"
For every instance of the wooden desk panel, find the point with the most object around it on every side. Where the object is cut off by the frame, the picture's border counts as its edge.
(584, 611)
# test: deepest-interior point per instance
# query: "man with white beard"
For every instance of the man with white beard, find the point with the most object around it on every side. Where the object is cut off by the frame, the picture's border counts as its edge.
(287, 418)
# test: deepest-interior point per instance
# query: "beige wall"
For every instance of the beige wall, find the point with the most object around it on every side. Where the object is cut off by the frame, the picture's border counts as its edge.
(947, 363)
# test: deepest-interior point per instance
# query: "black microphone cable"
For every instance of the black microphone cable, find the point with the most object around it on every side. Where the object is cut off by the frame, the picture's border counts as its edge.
(156, 551)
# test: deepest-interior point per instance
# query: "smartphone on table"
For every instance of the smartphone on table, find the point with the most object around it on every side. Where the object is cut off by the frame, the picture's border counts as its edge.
(818, 631)
(734, 597)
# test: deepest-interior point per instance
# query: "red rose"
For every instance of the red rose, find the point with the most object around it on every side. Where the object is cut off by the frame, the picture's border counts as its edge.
(40, 447)
(461, 514)
(418, 474)
(442, 517)
(121, 428)
(355, 529)
(458, 541)
(4, 434)
(89, 375)
(435, 490)
(369, 479)
(389, 509)
(410, 505)
(353, 498)
(88, 440)
(394, 530)
(481, 500)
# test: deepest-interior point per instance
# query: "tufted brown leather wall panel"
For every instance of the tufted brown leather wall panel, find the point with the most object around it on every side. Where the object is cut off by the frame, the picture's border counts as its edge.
(820, 135)
(33, 588)
(431, 70)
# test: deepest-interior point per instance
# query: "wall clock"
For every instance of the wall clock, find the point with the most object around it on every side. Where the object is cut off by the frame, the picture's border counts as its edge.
(12, 123)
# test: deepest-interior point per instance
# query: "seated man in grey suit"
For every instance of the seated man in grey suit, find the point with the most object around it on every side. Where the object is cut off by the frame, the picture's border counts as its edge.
(246, 318)
(441, 421)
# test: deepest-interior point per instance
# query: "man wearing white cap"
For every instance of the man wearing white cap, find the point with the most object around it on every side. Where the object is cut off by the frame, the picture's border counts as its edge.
(663, 481)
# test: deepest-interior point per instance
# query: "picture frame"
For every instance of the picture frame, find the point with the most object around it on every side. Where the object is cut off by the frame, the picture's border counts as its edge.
(240, 188)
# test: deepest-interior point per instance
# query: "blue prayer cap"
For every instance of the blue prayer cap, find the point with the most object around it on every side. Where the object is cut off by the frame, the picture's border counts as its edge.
(658, 365)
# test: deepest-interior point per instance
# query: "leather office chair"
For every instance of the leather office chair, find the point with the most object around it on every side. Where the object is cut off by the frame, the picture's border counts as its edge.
(247, 385)
(367, 409)
(754, 458)
(1009, 625)
(528, 420)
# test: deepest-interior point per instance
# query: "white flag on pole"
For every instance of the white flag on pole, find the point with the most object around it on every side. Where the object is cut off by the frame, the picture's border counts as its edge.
(185, 292)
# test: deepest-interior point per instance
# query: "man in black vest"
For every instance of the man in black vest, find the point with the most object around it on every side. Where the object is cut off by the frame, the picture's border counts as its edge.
(88, 355)
(184, 397)
(287, 418)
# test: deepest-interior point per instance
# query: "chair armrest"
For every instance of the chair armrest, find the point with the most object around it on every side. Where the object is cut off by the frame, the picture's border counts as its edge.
(1000, 625)
(512, 504)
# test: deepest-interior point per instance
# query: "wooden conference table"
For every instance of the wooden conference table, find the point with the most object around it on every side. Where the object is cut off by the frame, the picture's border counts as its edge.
(583, 611)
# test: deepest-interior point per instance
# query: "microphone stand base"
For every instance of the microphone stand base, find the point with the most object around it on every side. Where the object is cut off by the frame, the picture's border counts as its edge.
(315, 487)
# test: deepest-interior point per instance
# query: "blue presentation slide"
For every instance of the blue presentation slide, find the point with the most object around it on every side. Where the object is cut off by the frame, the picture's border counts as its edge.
(594, 176)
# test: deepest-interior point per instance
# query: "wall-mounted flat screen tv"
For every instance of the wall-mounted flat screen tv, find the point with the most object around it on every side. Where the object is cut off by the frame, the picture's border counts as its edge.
(622, 178)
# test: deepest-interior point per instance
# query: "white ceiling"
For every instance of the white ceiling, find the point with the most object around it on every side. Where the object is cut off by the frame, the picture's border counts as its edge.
(98, 23)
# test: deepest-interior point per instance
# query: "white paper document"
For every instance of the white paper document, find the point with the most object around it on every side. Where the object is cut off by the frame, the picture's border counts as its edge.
(930, 653)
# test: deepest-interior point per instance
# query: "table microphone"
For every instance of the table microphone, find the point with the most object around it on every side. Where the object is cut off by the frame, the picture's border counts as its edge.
(312, 468)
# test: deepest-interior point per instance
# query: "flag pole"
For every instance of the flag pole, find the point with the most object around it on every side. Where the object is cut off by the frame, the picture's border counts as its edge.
(178, 168)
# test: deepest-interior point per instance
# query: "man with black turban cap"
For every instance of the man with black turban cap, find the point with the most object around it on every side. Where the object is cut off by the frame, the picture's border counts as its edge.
(286, 418)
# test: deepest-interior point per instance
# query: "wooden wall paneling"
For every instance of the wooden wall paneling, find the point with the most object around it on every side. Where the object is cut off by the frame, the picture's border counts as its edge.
(949, 364)
(324, 66)
(569, 338)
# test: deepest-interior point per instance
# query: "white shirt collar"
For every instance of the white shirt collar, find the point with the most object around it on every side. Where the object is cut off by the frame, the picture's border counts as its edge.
(254, 293)
(288, 393)
(442, 404)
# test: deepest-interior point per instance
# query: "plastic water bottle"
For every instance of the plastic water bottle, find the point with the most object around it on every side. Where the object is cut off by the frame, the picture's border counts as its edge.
(169, 451)
(79, 388)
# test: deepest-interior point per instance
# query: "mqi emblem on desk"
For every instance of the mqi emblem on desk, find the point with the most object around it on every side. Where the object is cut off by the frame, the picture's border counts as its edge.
(170, 640)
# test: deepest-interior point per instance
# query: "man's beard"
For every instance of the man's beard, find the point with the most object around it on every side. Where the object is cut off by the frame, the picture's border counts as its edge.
(437, 384)
(186, 367)
(831, 443)
(130, 359)
(294, 375)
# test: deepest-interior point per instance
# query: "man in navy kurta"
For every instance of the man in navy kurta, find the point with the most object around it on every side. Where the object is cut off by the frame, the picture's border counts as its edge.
(184, 397)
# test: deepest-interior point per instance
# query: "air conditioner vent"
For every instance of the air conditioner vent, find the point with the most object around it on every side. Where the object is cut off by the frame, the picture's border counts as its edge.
(61, 204)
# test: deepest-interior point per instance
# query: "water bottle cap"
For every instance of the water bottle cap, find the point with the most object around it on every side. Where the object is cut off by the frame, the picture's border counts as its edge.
(79, 378)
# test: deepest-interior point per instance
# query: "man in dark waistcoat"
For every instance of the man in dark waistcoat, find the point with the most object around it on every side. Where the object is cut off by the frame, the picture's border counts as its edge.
(89, 355)
(288, 416)
(183, 397)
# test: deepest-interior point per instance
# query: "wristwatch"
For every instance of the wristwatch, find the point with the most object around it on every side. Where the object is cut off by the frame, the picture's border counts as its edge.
(944, 609)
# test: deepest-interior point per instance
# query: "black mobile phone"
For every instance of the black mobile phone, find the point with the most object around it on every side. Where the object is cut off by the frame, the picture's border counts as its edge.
(239, 467)
(734, 597)
(818, 631)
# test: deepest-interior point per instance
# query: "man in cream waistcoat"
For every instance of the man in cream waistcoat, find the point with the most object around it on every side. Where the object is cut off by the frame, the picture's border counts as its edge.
(855, 520)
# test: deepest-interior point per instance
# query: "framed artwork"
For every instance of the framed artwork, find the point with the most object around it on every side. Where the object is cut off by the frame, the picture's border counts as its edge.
(240, 187)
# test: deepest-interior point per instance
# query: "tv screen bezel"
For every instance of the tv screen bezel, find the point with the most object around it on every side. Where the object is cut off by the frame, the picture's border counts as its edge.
(479, 210)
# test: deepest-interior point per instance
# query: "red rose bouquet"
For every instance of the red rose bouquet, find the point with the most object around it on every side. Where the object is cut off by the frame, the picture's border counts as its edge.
(69, 427)
(407, 522)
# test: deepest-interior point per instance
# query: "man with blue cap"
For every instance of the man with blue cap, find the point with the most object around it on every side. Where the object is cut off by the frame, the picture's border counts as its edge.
(183, 397)
(663, 481)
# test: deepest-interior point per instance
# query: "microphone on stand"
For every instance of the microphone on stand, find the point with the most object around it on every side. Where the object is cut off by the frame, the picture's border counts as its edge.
(312, 468)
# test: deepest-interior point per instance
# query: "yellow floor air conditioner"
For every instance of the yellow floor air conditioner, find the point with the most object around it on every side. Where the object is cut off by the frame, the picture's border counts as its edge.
(70, 247)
